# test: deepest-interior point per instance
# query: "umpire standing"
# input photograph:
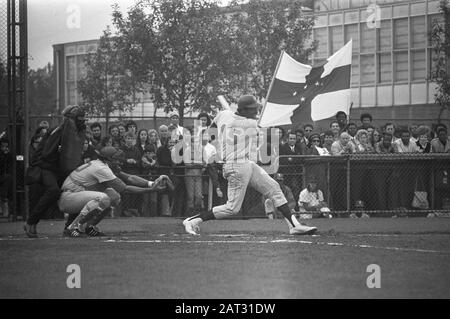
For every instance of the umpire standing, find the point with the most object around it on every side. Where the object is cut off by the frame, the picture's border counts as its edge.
(58, 154)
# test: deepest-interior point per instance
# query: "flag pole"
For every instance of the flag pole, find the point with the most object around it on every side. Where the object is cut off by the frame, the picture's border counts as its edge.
(271, 84)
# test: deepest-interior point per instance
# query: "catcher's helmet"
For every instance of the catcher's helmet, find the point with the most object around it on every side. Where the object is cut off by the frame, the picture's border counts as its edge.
(110, 153)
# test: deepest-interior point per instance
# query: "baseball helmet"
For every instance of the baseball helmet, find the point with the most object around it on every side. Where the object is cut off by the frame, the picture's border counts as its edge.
(247, 102)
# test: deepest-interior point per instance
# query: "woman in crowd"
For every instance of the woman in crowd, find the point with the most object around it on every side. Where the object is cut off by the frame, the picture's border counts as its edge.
(375, 137)
(334, 127)
(423, 140)
(153, 139)
(142, 140)
(362, 144)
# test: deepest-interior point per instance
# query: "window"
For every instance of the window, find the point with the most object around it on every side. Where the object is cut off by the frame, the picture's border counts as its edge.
(71, 93)
(384, 35)
(321, 36)
(355, 70)
(367, 69)
(81, 69)
(384, 68)
(336, 38)
(401, 34)
(401, 66)
(367, 38)
(351, 32)
(70, 68)
(418, 64)
(418, 32)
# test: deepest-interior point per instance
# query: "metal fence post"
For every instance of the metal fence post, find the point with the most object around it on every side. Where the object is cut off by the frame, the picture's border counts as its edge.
(348, 184)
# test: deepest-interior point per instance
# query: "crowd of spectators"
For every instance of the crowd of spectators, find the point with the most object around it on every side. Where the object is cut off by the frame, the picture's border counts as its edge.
(390, 188)
(149, 153)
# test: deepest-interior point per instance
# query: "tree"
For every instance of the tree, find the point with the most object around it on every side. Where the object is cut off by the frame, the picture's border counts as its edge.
(264, 29)
(41, 91)
(107, 86)
(188, 54)
(440, 39)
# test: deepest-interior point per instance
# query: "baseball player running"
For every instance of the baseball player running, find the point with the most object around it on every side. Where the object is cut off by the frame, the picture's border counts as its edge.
(237, 134)
(92, 189)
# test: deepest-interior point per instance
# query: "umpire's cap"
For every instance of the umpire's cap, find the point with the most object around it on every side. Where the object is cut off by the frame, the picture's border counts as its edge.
(247, 102)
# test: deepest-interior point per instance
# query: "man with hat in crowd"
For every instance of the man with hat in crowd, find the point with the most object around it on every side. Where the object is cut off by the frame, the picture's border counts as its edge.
(174, 119)
(237, 136)
(58, 154)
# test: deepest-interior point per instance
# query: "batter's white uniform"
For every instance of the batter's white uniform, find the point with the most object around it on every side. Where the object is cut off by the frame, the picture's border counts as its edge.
(237, 137)
(79, 187)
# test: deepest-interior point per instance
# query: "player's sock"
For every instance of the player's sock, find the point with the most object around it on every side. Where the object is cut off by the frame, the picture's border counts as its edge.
(290, 219)
(70, 220)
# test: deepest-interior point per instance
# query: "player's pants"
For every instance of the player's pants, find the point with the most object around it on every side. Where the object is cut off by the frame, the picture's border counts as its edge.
(241, 175)
(73, 202)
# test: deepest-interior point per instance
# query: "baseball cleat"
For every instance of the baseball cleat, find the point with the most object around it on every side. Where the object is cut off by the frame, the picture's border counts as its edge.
(93, 231)
(75, 233)
(191, 227)
(302, 230)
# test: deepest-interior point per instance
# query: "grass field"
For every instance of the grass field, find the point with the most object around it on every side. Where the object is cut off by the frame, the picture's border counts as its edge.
(249, 259)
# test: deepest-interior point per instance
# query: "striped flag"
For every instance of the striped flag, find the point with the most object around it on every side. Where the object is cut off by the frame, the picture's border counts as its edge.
(300, 93)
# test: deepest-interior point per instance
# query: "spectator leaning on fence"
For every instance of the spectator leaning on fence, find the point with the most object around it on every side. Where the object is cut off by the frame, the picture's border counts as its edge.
(404, 144)
(343, 146)
(385, 146)
(361, 142)
(442, 143)
(316, 148)
(423, 139)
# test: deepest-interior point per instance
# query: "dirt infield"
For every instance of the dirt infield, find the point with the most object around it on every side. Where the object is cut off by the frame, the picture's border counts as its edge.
(249, 259)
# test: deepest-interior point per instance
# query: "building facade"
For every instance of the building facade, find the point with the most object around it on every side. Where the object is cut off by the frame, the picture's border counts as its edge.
(391, 64)
(68, 59)
(392, 55)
